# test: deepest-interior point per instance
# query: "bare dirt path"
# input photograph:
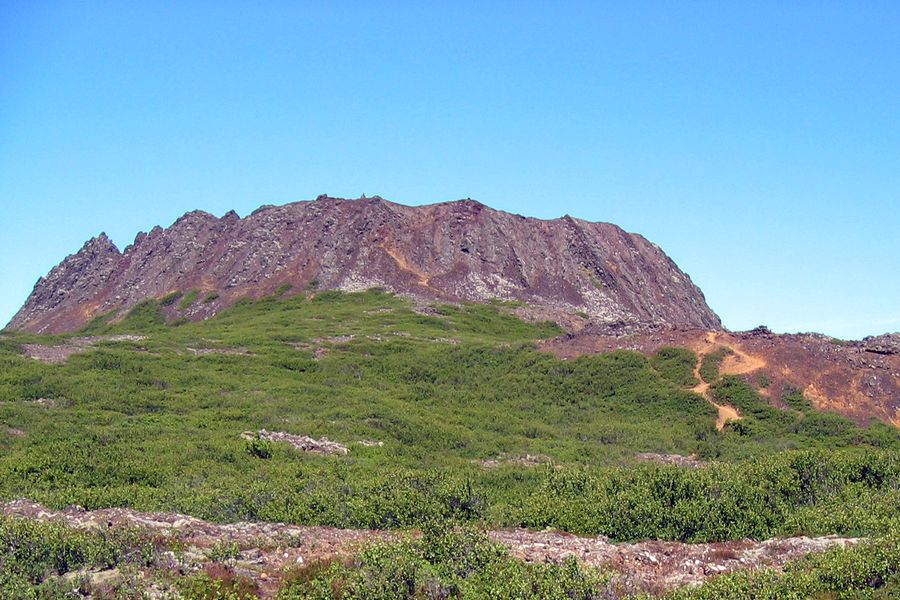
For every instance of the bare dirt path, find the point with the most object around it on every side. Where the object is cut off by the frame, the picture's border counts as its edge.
(741, 363)
(267, 550)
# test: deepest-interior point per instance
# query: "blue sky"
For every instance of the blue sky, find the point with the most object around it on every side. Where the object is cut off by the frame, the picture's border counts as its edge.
(758, 143)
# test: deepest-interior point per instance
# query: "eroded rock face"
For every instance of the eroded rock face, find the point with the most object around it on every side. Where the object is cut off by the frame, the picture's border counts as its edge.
(69, 288)
(451, 251)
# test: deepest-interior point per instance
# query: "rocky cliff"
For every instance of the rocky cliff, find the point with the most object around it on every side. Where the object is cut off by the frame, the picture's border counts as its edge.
(564, 269)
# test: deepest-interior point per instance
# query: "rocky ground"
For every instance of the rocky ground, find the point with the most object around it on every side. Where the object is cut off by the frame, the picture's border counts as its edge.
(675, 460)
(265, 551)
(60, 353)
(302, 443)
(656, 567)
(858, 379)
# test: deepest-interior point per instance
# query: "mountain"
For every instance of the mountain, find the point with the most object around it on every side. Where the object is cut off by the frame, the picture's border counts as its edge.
(567, 270)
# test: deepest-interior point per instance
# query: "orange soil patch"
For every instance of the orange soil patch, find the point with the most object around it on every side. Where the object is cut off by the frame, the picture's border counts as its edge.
(736, 363)
(391, 249)
(812, 393)
(744, 361)
(88, 311)
(843, 377)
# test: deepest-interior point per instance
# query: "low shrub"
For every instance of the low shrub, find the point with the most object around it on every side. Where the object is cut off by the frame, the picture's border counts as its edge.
(32, 553)
(709, 366)
(443, 563)
(676, 365)
(870, 570)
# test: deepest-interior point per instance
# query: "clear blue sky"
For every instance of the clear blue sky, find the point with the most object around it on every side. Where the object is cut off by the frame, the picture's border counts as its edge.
(757, 142)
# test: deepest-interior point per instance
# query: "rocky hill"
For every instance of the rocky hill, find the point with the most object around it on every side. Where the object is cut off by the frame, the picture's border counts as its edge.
(566, 269)
(858, 379)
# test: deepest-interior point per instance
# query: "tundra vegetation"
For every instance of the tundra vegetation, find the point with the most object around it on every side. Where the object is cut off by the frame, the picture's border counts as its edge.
(155, 424)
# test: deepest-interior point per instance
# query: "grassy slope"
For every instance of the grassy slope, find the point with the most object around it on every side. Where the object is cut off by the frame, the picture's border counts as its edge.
(153, 425)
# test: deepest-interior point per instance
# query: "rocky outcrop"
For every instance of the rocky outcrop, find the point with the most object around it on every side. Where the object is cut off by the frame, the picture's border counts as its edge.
(888, 344)
(303, 443)
(858, 379)
(265, 552)
(561, 269)
(72, 286)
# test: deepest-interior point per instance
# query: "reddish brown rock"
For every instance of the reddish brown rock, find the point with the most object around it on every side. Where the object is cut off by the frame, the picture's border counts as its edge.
(565, 269)
(858, 379)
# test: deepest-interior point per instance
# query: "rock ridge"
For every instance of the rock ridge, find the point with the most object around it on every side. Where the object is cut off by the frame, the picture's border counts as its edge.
(569, 270)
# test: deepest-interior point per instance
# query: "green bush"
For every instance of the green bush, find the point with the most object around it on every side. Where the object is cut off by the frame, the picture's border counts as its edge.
(144, 316)
(870, 570)
(709, 366)
(434, 397)
(824, 425)
(771, 496)
(795, 399)
(676, 365)
(444, 563)
(217, 582)
(31, 552)
(169, 299)
(259, 448)
(188, 300)
(223, 551)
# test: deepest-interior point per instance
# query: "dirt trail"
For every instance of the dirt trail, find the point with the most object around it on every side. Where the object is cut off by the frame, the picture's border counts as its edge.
(739, 362)
(736, 363)
(267, 550)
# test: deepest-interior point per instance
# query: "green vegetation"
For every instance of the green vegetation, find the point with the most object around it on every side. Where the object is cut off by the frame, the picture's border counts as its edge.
(709, 366)
(170, 299)
(794, 398)
(99, 323)
(763, 426)
(353, 367)
(156, 423)
(808, 492)
(442, 564)
(676, 365)
(464, 564)
(217, 582)
(145, 316)
(283, 289)
(33, 555)
(871, 570)
(188, 300)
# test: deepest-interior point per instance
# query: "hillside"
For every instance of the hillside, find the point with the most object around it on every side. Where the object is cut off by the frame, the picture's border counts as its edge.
(338, 399)
(374, 413)
(567, 270)
(857, 379)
